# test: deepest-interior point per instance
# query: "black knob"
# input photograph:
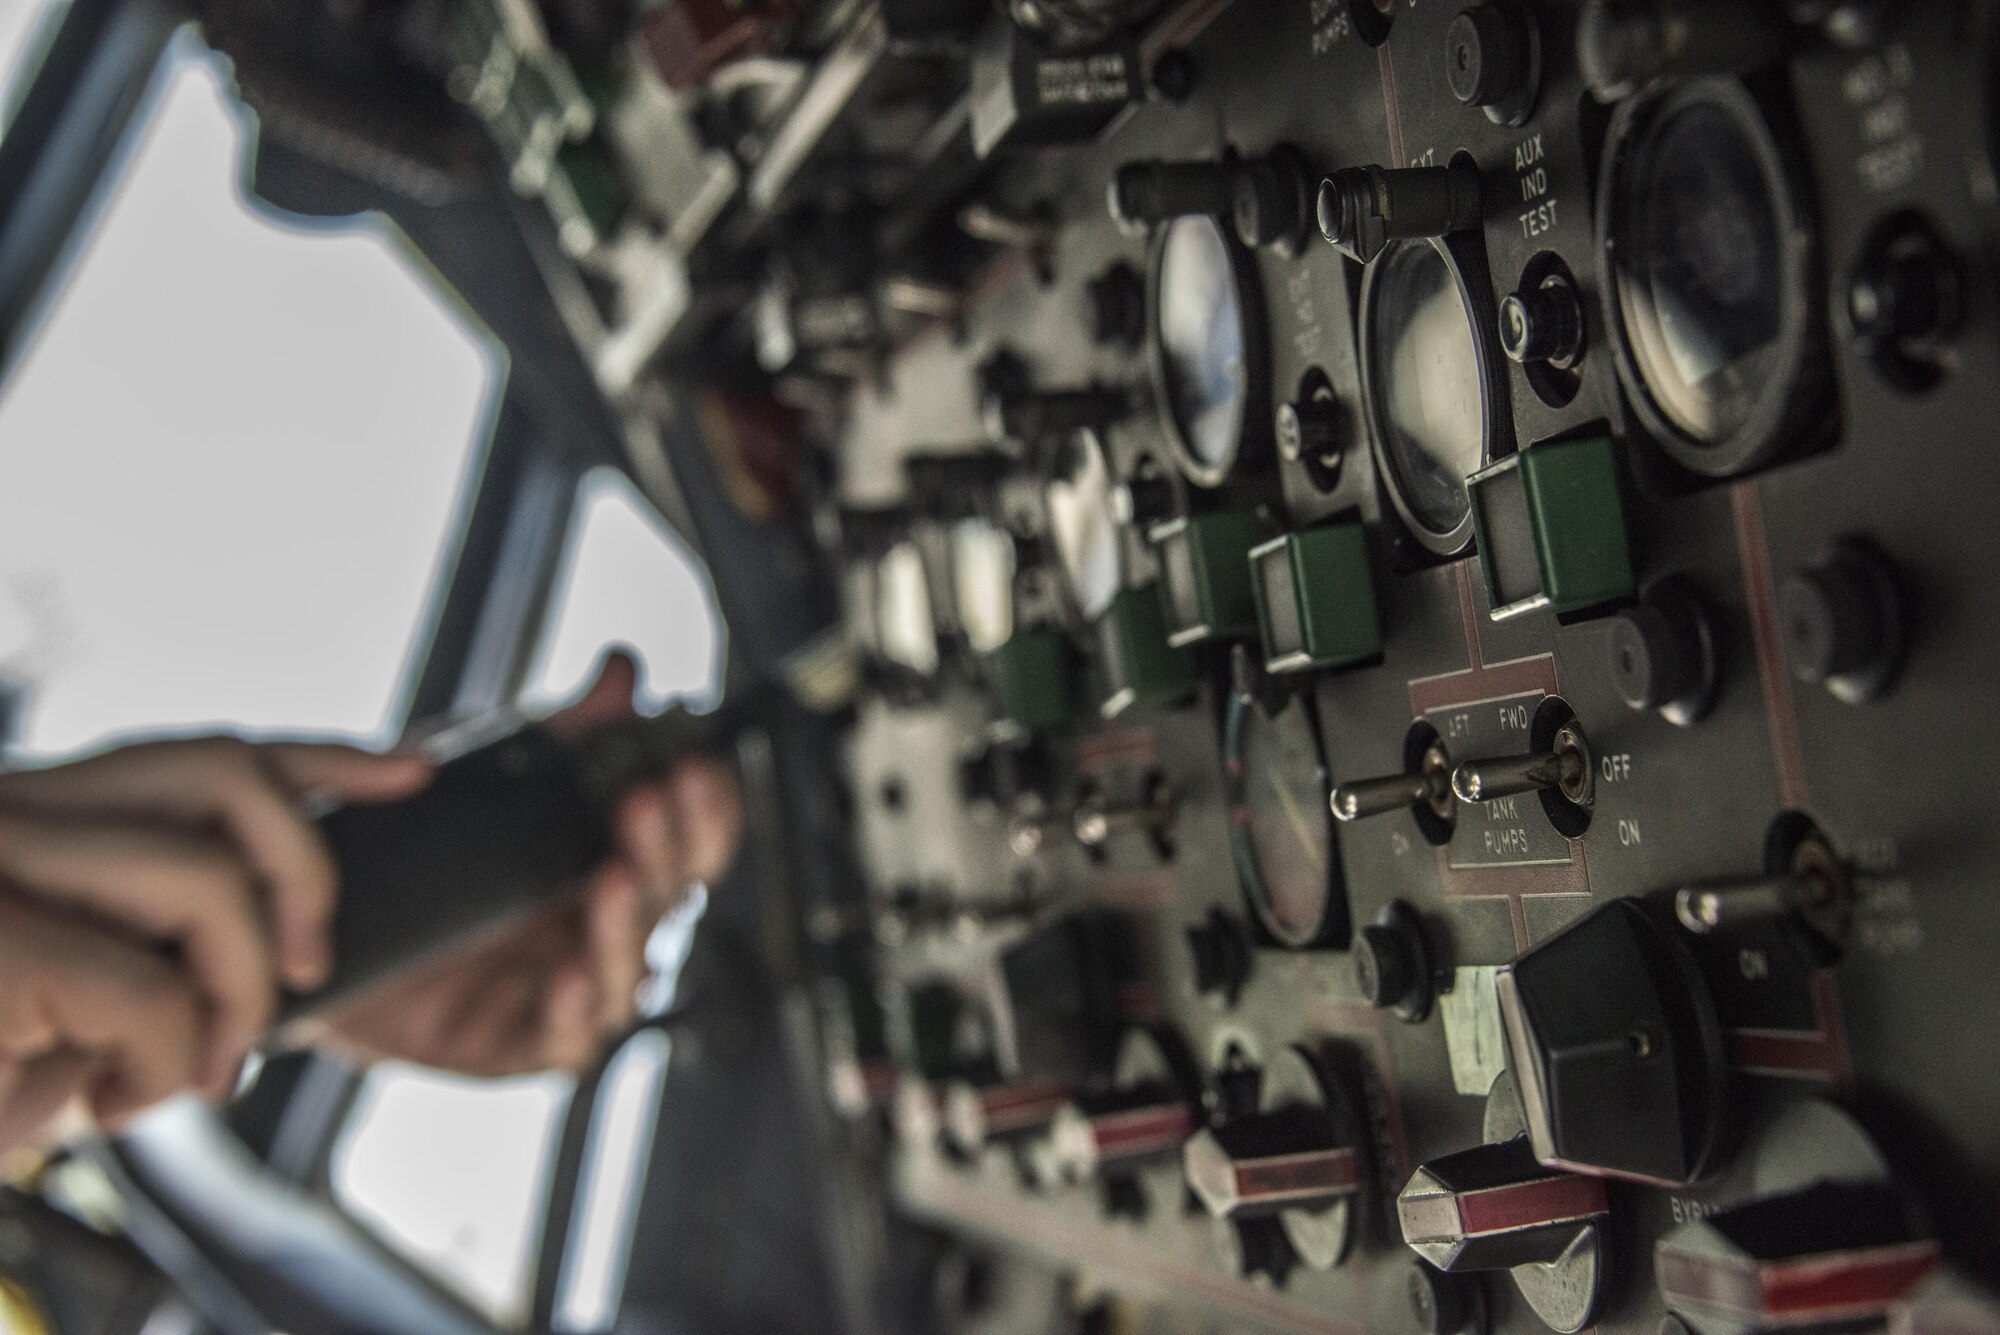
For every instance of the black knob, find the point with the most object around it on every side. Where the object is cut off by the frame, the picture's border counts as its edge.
(1143, 193)
(1221, 954)
(1439, 1303)
(1361, 209)
(1118, 306)
(1662, 653)
(1392, 963)
(1145, 498)
(1543, 323)
(1905, 302)
(1841, 619)
(1635, 1084)
(1623, 45)
(1051, 413)
(1312, 428)
(1173, 74)
(1489, 58)
(1273, 202)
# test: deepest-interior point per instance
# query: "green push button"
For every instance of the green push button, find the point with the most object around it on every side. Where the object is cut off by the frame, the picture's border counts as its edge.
(1140, 667)
(1205, 575)
(1551, 526)
(1315, 595)
(1031, 677)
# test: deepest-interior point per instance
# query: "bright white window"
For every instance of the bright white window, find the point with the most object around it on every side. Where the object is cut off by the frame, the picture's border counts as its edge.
(233, 460)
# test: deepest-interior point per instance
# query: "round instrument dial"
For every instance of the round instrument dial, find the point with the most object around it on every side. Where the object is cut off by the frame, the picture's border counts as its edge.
(1084, 525)
(1706, 277)
(1208, 356)
(1431, 384)
(1281, 825)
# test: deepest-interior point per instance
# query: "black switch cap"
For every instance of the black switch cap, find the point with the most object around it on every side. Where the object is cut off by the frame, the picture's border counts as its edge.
(1614, 1039)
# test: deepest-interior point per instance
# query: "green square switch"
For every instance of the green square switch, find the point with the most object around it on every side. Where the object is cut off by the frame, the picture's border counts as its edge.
(1205, 575)
(1551, 526)
(1315, 593)
(1140, 667)
(1031, 677)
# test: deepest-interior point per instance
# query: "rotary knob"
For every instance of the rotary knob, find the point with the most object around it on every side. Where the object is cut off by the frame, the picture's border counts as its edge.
(1297, 1159)
(1149, 1111)
(1496, 1207)
(1635, 1083)
(1662, 653)
(975, 1116)
(1842, 622)
(1825, 1255)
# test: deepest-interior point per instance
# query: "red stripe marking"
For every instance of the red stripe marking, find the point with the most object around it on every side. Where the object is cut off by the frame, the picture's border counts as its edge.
(1393, 112)
(1819, 1053)
(1313, 1174)
(1140, 1131)
(1071, 1239)
(1179, 30)
(1126, 746)
(1818, 1287)
(1780, 720)
(1544, 1200)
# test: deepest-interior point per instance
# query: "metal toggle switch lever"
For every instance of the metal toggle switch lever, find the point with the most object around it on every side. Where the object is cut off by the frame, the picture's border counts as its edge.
(1565, 766)
(1430, 786)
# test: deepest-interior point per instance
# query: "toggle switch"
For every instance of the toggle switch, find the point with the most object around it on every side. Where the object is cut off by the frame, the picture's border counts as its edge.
(1298, 1159)
(1144, 193)
(1429, 787)
(1220, 950)
(1831, 1254)
(1810, 883)
(1362, 209)
(1565, 766)
(1097, 821)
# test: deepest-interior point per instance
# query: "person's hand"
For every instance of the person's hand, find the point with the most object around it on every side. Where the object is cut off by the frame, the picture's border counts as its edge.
(546, 990)
(152, 901)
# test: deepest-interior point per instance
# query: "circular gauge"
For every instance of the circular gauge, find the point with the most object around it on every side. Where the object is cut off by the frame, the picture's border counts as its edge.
(1210, 371)
(905, 622)
(1084, 525)
(982, 575)
(1281, 825)
(1430, 381)
(1707, 275)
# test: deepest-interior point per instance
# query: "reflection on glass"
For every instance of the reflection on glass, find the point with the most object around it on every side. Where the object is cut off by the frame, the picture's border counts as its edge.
(1699, 273)
(903, 617)
(1085, 529)
(982, 567)
(1203, 357)
(1430, 403)
(1284, 798)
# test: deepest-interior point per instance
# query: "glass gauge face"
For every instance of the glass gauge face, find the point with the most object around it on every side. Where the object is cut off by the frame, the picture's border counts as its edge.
(905, 625)
(1204, 358)
(1084, 527)
(982, 570)
(1429, 395)
(1282, 826)
(1698, 270)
